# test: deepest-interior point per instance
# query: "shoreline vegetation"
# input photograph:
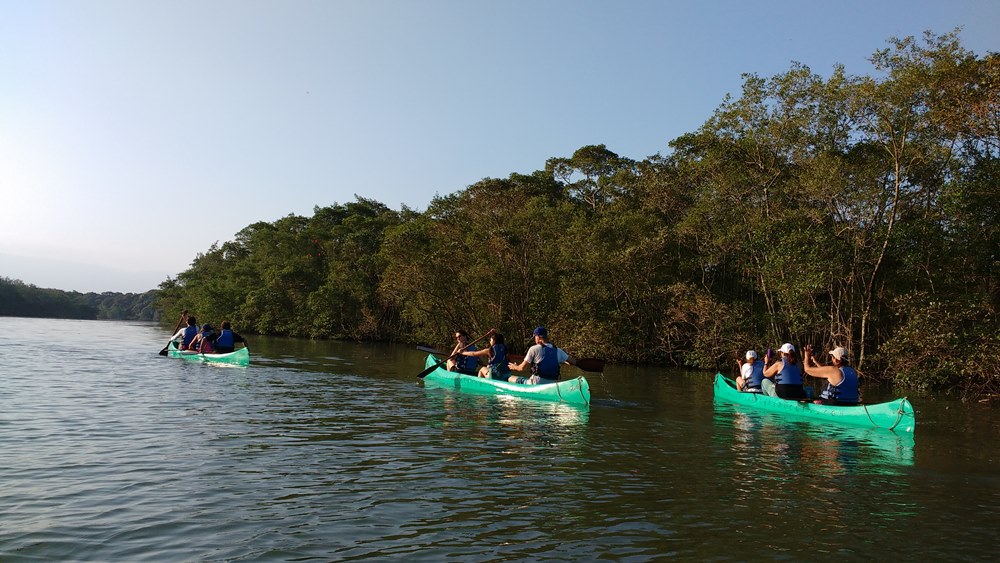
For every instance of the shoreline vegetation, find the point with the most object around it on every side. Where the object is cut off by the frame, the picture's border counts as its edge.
(855, 211)
(18, 299)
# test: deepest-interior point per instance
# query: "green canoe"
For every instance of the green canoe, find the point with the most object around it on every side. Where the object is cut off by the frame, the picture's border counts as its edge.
(897, 415)
(240, 357)
(574, 391)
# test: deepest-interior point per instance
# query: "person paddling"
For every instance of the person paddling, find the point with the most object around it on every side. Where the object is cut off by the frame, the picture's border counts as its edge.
(186, 335)
(496, 357)
(788, 383)
(751, 373)
(841, 379)
(544, 359)
(226, 341)
(459, 362)
(204, 341)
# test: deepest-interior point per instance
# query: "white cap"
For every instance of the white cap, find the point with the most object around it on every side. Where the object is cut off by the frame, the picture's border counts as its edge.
(786, 348)
(839, 352)
(751, 355)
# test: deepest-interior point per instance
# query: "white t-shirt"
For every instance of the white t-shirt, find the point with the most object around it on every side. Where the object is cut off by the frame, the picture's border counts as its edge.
(534, 354)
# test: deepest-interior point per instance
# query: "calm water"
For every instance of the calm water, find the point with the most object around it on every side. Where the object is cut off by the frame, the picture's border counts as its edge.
(334, 451)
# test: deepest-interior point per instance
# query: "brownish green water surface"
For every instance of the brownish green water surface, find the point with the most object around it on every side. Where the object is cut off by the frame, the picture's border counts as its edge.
(334, 451)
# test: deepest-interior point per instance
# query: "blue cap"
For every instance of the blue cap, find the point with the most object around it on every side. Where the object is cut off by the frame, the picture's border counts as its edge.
(540, 331)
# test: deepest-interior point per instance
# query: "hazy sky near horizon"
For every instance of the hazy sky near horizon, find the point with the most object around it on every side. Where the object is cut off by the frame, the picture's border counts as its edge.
(135, 134)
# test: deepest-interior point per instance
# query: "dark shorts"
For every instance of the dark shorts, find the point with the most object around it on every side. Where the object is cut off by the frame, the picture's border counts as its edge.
(790, 391)
(500, 373)
(465, 371)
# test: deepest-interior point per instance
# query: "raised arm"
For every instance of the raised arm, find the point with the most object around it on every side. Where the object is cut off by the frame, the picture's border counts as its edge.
(813, 369)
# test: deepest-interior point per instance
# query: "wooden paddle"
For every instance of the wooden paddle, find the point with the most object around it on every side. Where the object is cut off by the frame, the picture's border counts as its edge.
(427, 371)
(176, 328)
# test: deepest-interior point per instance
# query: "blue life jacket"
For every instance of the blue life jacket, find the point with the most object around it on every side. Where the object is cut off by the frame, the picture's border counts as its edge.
(548, 366)
(467, 363)
(225, 339)
(790, 374)
(846, 391)
(498, 357)
(189, 334)
(756, 377)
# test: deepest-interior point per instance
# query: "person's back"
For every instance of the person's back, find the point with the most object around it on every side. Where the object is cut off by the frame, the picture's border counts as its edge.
(225, 341)
(753, 375)
(790, 374)
(188, 333)
(206, 344)
(789, 380)
(844, 393)
(787, 373)
(544, 360)
(497, 367)
(203, 340)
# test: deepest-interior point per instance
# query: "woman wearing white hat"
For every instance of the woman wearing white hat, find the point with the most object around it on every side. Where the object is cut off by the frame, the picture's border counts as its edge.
(787, 375)
(751, 373)
(841, 379)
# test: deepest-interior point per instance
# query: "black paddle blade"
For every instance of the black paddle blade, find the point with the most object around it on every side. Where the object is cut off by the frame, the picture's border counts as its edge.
(428, 371)
(163, 352)
(593, 365)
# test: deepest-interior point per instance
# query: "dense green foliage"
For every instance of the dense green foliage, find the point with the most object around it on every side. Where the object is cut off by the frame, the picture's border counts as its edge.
(18, 299)
(850, 210)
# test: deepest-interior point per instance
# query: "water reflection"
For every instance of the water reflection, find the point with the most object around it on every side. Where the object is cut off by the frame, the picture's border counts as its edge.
(831, 475)
(334, 451)
(514, 414)
(766, 439)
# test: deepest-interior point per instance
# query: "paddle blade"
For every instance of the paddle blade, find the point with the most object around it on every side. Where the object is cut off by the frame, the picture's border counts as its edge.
(163, 352)
(593, 365)
(428, 371)
(430, 350)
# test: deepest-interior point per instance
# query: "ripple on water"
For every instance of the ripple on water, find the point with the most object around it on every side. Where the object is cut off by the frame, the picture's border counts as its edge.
(334, 451)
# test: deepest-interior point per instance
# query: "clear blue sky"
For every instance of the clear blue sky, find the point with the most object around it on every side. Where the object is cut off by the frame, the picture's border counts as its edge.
(134, 134)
